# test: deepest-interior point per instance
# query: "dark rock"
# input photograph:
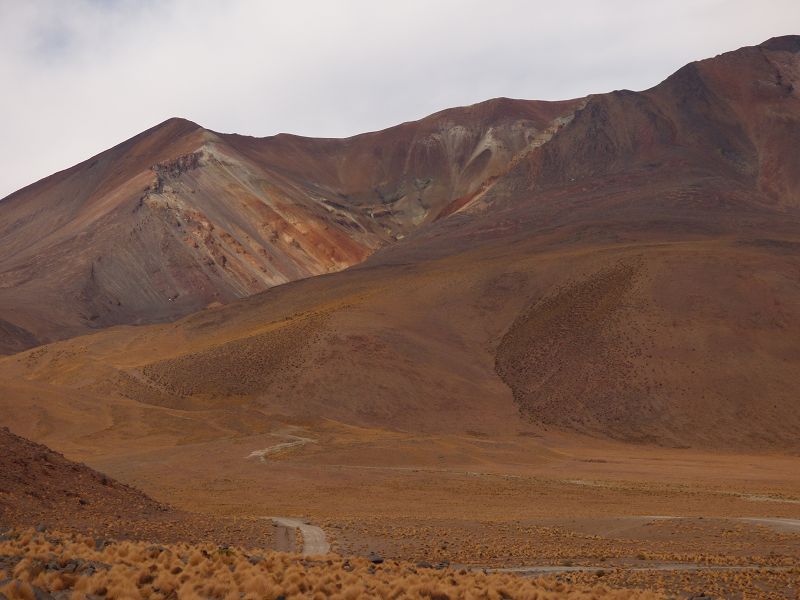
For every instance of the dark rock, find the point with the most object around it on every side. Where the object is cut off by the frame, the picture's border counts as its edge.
(40, 594)
(375, 559)
(89, 568)
(72, 566)
(254, 560)
(424, 564)
(36, 567)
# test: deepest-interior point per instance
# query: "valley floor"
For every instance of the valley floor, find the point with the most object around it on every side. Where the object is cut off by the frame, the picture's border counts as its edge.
(676, 520)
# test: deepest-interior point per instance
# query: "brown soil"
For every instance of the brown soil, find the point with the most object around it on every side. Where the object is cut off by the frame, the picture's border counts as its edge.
(39, 487)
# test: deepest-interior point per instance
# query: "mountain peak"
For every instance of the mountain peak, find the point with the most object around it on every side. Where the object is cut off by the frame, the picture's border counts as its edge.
(783, 43)
(177, 121)
(176, 124)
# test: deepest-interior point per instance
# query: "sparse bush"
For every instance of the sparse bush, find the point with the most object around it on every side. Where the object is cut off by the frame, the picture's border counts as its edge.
(124, 570)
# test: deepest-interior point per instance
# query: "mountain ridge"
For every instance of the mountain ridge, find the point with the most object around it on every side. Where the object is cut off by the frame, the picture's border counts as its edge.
(301, 207)
(622, 268)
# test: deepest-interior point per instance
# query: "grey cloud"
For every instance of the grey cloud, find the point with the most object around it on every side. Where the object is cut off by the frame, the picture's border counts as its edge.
(83, 75)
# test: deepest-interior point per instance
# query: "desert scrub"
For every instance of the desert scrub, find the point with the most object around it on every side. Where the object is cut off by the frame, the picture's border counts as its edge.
(77, 567)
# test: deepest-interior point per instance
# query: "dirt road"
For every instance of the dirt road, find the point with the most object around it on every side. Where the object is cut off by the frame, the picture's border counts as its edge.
(314, 540)
(777, 523)
(295, 441)
(538, 570)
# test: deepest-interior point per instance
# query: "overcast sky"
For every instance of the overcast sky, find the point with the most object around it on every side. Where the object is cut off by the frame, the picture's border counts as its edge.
(79, 76)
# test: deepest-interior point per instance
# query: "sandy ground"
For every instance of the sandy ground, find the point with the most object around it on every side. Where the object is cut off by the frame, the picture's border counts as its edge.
(669, 519)
(372, 485)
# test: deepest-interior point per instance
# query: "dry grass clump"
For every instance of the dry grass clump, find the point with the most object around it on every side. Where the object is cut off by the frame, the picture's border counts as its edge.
(78, 567)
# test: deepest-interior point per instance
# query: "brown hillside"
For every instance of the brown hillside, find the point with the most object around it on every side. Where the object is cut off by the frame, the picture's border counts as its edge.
(180, 217)
(41, 488)
(632, 273)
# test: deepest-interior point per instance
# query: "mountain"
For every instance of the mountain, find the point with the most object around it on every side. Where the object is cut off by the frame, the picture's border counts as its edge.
(630, 271)
(179, 217)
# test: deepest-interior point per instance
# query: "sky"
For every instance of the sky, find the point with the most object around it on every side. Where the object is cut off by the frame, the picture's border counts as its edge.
(80, 76)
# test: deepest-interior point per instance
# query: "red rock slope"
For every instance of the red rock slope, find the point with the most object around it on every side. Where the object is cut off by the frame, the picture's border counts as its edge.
(180, 217)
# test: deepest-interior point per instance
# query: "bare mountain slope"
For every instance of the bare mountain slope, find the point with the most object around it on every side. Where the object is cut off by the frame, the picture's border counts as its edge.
(631, 273)
(41, 488)
(180, 217)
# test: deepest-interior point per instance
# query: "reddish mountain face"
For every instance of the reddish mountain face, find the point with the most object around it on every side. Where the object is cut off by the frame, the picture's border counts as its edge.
(706, 152)
(733, 116)
(624, 265)
(180, 217)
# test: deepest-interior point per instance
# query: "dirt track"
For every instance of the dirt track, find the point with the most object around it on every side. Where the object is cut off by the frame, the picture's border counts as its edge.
(314, 540)
(540, 570)
(780, 524)
(296, 441)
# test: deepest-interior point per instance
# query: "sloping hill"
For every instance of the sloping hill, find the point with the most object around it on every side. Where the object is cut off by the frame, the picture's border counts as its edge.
(41, 488)
(180, 217)
(36, 482)
(633, 275)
